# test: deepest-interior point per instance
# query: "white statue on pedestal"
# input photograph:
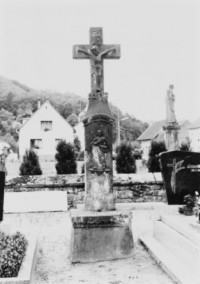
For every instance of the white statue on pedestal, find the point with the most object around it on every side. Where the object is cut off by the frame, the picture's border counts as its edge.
(170, 99)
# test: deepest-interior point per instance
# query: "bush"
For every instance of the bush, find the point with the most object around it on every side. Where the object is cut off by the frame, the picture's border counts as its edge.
(185, 145)
(81, 156)
(153, 162)
(30, 164)
(125, 161)
(12, 252)
(66, 159)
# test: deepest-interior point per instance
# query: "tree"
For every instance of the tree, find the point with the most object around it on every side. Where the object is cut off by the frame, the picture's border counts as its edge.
(11, 141)
(66, 159)
(30, 164)
(125, 161)
(185, 145)
(72, 119)
(157, 147)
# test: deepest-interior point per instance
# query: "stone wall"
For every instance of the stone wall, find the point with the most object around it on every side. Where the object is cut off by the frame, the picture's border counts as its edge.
(127, 187)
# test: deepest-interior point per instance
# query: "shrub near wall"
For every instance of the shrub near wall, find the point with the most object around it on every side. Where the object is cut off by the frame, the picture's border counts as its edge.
(30, 164)
(66, 158)
(125, 161)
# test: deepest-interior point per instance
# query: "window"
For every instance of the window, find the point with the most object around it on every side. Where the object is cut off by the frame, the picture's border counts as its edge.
(36, 143)
(46, 125)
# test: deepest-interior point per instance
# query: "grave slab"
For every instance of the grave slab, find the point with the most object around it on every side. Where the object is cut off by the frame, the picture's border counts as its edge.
(175, 244)
(42, 201)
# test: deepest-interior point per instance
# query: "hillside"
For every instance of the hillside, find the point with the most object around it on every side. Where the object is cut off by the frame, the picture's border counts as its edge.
(18, 100)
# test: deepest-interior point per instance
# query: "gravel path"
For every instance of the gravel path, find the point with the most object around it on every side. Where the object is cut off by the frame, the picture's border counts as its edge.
(53, 258)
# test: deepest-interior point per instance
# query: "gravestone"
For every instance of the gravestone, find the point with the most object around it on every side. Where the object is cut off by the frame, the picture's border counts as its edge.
(172, 127)
(99, 232)
(181, 174)
(4, 151)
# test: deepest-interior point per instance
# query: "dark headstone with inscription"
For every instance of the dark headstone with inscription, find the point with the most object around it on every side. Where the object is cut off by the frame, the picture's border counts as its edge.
(181, 174)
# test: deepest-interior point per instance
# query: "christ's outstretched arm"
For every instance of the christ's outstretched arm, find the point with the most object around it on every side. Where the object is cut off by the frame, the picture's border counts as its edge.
(83, 51)
(108, 51)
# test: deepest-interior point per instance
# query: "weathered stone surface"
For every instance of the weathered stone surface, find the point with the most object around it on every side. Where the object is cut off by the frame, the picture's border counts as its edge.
(100, 236)
(171, 128)
(172, 141)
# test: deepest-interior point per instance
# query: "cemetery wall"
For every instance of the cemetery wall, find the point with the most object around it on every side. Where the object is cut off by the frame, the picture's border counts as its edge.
(127, 187)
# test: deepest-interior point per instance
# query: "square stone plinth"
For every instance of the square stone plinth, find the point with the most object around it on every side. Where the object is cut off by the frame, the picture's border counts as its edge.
(99, 236)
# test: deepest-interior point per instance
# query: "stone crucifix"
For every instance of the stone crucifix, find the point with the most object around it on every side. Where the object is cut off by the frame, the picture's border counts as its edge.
(96, 51)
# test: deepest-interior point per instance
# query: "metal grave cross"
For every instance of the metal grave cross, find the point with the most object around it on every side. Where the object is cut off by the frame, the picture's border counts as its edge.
(96, 51)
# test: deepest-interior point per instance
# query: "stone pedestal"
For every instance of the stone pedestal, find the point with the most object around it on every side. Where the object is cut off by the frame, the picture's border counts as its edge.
(100, 236)
(172, 141)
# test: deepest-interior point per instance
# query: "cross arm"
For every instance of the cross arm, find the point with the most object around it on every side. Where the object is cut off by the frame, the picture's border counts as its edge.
(80, 55)
(111, 51)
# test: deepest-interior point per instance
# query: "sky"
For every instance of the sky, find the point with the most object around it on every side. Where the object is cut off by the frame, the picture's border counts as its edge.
(159, 39)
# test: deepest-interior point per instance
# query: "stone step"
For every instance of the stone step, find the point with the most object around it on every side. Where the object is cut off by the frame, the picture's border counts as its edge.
(177, 270)
(182, 241)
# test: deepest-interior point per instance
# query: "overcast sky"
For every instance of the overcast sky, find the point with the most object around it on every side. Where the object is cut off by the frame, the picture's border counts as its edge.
(160, 45)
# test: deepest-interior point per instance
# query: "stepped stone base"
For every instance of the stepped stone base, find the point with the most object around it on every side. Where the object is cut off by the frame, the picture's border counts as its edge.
(175, 245)
(100, 236)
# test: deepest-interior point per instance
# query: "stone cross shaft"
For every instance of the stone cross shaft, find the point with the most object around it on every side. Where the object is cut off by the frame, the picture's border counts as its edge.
(96, 51)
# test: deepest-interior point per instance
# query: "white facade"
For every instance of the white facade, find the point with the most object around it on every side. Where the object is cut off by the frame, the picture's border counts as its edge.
(43, 131)
(145, 147)
(80, 133)
(194, 135)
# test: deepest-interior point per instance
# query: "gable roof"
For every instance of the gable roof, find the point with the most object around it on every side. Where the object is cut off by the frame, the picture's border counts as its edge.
(39, 109)
(195, 124)
(152, 131)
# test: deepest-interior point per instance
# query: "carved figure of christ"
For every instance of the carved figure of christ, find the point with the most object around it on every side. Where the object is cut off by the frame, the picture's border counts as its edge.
(96, 59)
(96, 52)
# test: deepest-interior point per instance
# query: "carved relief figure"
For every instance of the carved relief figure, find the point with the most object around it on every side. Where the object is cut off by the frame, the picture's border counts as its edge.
(96, 65)
(170, 106)
(100, 148)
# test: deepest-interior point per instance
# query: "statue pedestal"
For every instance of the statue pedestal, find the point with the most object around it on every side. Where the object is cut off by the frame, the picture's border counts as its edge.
(171, 130)
(100, 236)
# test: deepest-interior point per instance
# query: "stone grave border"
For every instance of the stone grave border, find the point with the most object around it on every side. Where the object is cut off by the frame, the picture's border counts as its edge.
(27, 268)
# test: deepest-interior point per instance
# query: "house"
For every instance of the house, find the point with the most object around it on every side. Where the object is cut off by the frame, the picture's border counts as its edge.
(42, 132)
(80, 133)
(194, 136)
(156, 132)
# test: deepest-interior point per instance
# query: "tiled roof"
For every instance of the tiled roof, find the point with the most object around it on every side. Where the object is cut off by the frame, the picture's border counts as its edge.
(195, 124)
(152, 130)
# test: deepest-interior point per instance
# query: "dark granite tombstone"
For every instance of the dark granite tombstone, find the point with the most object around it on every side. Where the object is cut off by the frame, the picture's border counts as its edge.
(181, 174)
(2, 183)
(3, 155)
